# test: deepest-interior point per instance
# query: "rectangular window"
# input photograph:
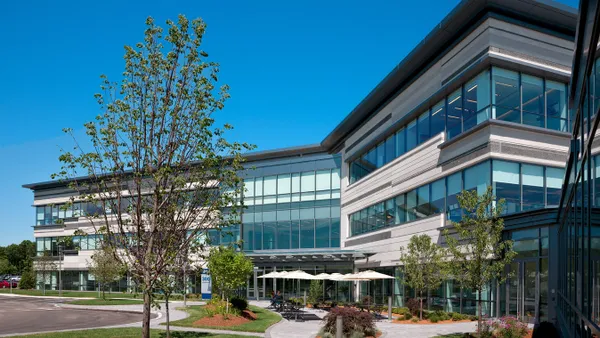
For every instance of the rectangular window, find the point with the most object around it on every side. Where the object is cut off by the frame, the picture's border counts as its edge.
(258, 186)
(307, 234)
(556, 105)
(532, 177)
(335, 179)
(248, 234)
(411, 135)
(423, 127)
(438, 194)
(270, 185)
(283, 235)
(477, 101)
(390, 212)
(506, 95)
(307, 181)
(411, 206)
(554, 180)
(249, 187)
(324, 180)
(423, 208)
(258, 236)
(322, 233)
(438, 118)
(380, 155)
(295, 234)
(506, 185)
(39, 215)
(269, 233)
(533, 101)
(284, 184)
(400, 209)
(400, 142)
(390, 151)
(454, 114)
(295, 182)
(380, 221)
(335, 232)
(478, 177)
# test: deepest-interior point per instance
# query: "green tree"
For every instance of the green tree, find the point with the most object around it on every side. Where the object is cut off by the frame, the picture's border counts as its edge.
(424, 266)
(476, 242)
(315, 291)
(157, 154)
(44, 266)
(6, 267)
(105, 269)
(229, 270)
(20, 255)
(27, 279)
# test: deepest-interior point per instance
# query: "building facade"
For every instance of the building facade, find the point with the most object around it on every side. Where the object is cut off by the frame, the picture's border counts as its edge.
(482, 100)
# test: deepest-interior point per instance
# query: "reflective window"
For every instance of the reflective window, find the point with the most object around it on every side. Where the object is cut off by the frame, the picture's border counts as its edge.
(307, 234)
(390, 151)
(533, 100)
(506, 185)
(390, 212)
(477, 101)
(411, 206)
(270, 185)
(307, 182)
(455, 113)
(533, 186)
(284, 184)
(423, 209)
(438, 118)
(438, 195)
(423, 127)
(411, 135)
(454, 183)
(269, 233)
(283, 235)
(554, 180)
(478, 177)
(380, 155)
(556, 106)
(400, 142)
(322, 233)
(400, 209)
(505, 94)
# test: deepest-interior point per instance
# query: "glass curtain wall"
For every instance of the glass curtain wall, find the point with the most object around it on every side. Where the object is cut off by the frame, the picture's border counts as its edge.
(494, 93)
(523, 186)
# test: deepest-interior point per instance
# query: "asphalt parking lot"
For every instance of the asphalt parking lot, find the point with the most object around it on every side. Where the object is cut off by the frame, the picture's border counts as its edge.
(24, 314)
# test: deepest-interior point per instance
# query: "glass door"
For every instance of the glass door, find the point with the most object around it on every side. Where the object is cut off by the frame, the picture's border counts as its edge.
(523, 290)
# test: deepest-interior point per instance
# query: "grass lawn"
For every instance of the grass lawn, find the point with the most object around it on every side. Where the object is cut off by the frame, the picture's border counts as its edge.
(121, 333)
(265, 319)
(107, 301)
(90, 294)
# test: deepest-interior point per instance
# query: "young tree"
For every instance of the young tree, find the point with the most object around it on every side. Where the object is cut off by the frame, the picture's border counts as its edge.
(159, 171)
(27, 279)
(424, 266)
(229, 270)
(44, 266)
(105, 268)
(477, 245)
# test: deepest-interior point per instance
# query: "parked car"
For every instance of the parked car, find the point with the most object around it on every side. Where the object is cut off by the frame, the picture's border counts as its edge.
(5, 284)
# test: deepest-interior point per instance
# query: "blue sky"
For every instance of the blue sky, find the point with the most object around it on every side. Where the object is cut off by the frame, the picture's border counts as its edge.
(296, 69)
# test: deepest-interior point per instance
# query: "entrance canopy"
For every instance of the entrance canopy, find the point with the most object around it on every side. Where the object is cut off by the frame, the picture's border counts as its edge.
(310, 256)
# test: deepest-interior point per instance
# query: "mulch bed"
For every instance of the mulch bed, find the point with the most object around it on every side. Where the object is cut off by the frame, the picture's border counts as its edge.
(231, 320)
(425, 321)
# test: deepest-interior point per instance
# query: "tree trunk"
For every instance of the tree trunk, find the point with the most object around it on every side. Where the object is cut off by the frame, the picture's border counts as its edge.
(146, 313)
(167, 310)
(479, 312)
(421, 305)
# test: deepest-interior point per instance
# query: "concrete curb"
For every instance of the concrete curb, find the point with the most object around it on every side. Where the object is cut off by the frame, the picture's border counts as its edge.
(268, 331)
(44, 297)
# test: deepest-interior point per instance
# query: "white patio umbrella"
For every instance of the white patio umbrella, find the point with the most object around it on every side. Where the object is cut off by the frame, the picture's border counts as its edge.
(372, 275)
(299, 274)
(274, 274)
(336, 276)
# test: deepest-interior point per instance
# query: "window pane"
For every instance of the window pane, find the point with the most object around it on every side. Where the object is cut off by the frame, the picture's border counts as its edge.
(322, 233)
(554, 180)
(423, 209)
(308, 181)
(248, 234)
(556, 106)
(258, 236)
(533, 100)
(400, 209)
(283, 235)
(249, 186)
(295, 232)
(411, 205)
(400, 142)
(258, 186)
(478, 177)
(284, 184)
(533, 186)
(380, 155)
(477, 101)
(296, 182)
(438, 118)
(423, 127)
(335, 232)
(411, 135)
(506, 185)
(390, 212)
(454, 183)
(506, 97)
(307, 234)
(270, 185)
(454, 121)
(269, 235)
(324, 180)
(438, 194)
(380, 220)
(322, 212)
(335, 179)
(390, 151)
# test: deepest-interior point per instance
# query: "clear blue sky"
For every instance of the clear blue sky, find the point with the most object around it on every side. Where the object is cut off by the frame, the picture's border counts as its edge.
(296, 69)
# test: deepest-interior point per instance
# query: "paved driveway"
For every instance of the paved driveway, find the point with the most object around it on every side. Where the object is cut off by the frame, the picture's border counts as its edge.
(28, 314)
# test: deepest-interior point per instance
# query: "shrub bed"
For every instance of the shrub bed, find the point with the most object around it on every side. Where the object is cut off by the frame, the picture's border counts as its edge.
(355, 323)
